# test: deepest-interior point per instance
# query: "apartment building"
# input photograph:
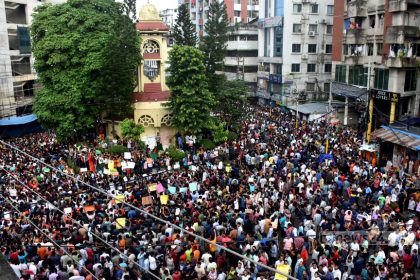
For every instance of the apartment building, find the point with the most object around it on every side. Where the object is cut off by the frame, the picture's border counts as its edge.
(376, 51)
(238, 11)
(17, 76)
(295, 46)
(169, 17)
(241, 61)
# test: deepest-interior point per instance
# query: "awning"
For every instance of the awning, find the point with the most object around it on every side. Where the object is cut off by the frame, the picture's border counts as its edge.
(399, 137)
(18, 120)
(346, 90)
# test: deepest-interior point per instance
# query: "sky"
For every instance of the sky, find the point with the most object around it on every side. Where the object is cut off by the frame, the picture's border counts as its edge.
(160, 4)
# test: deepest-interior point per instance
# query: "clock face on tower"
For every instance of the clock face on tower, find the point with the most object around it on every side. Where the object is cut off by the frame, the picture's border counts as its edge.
(150, 47)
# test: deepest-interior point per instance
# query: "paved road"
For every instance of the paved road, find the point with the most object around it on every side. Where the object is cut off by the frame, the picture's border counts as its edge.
(6, 272)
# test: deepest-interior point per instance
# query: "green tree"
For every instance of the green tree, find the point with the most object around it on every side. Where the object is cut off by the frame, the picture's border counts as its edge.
(130, 130)
(184, 30)
(85, 52)
(220, 133)
(190, 99)
(214, 44)
(130, 9)
(232, 102)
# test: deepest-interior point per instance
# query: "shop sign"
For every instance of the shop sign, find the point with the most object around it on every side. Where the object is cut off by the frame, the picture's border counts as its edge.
(384, 95)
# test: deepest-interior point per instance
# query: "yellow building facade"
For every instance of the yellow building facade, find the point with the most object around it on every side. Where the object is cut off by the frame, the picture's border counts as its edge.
(151, 91)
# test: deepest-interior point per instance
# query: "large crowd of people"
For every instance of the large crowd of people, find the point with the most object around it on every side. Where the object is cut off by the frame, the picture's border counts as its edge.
(279, 196)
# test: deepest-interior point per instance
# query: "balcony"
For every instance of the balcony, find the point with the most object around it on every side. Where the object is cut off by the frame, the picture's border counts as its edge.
(247, 61)
(355, 36)
(402, 34)
(402, 5)
(263, 75)
(407, 62)
(379, 8)
(356, 8)
(242, 45)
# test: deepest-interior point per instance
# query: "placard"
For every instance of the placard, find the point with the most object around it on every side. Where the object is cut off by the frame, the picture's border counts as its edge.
(131, 164)
(183, 190)
(176, 166)
(107, 172)
(120, 223)
(285, 269)
(160, 188)
(67, 210)
(164, 199)
(13, 192)
(127, 155)
(110, 164)
(152, 187)
(172, 189)
(46, 169)
(147, 200)
(89, 208)
(119, 199)
(7, 216)
(193, 186)
(84, 169)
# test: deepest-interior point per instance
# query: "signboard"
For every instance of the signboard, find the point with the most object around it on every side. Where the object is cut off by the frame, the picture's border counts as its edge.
(273, 22)
(275, 79)
(384, 95)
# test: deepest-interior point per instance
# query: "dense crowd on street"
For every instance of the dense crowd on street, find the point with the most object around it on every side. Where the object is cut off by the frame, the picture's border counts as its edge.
(280, 196)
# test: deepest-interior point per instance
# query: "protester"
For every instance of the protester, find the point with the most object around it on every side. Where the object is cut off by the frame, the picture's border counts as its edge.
(277, 195)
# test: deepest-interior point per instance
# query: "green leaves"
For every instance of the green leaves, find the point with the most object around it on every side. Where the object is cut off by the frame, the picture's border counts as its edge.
(130, 130)
(85, 52)
(184, 31)
(190, 100)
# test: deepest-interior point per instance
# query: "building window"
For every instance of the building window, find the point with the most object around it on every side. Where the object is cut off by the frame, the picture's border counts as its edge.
(328, 48)
(381, 78)
(329, 29)
(237, 1)
(313, 28)
(379, 47)
(295, 67)
(410, 83)
(327, 87)
(237, 13)
(314, 8)
(345, 49)
(311, 48)
(295, 48)
(297, 8)
(278, 41)
(358, 75)
(369, 49)
(311, 67)
(297, 28)
(340, 73)
(330, 10)
(327, 67)
(310, 86)
(267, 42)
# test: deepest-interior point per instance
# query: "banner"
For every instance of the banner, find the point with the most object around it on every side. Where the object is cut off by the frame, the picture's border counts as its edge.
(164, 199)
(120, 223)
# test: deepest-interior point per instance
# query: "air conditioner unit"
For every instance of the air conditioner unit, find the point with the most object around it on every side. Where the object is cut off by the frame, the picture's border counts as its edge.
(304, 56)
(311, 33)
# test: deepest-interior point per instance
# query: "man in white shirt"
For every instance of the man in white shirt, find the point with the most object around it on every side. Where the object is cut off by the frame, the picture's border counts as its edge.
(313, 270)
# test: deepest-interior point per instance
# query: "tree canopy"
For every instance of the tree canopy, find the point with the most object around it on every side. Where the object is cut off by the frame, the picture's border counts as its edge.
(184, 30)
(231, 102)
(130, 130)
(85, 52)
(190, 100)
(130, 9)
(214, 43)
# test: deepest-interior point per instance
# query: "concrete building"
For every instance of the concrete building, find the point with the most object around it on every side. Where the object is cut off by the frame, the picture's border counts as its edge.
(295, 45)
(169, 17)
(17, 76)
(238, 11)
(241, 61)
(375, 50)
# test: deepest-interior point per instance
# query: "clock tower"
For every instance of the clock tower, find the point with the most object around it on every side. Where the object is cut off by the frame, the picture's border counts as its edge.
(151, 91)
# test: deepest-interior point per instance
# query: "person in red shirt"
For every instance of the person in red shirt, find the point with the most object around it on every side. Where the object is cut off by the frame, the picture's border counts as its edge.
(408, 262)
(176, 275)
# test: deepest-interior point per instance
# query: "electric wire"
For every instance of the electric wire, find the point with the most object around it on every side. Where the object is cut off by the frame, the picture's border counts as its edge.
(76, 221)
(155, 217)
(42, 232)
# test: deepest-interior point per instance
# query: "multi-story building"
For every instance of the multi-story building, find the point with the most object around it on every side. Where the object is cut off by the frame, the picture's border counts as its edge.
(375, 49)
(17, 76)
(241, 61)
(169, 17)
(238, 11)
(295, 45)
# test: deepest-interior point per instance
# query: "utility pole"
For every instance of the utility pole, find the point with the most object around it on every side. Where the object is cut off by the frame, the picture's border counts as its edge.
(369, 105)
